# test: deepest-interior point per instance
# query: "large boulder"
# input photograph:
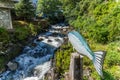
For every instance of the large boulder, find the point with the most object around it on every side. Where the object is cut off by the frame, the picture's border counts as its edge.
(12, 65)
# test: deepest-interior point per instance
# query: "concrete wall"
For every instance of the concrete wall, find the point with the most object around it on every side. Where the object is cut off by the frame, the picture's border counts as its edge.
(5, 15)
(5, 18)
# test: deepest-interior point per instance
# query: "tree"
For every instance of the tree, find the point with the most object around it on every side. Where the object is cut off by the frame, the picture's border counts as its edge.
(25, 9)
(48, 7)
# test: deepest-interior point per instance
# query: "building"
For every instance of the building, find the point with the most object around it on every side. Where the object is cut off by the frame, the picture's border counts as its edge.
(5, 14)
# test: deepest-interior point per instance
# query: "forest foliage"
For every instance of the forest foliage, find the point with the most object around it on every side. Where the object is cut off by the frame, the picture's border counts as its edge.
(50, 9)
(99, 22)
(97, 19)
(25, 9)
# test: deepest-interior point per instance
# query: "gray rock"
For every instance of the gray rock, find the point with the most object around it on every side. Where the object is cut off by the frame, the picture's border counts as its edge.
(57, 40)
(64, 30)
(49, 40)
(12, 65)
(40, 39)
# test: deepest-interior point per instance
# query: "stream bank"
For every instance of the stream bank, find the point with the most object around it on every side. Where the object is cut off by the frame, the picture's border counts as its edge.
(35, 58)
(13, 41)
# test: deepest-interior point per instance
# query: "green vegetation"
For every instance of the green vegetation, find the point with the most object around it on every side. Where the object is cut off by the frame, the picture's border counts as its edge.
(18, 37)
(33, 29)
(25, 10)
(98, 21)
(62, 59)
(16, 49)
(24, 30)
(4, 35)
(12, 41)
(111, 63)
(50, 9)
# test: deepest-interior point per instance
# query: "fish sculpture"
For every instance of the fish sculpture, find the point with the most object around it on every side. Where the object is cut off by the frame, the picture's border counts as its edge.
(81, 46)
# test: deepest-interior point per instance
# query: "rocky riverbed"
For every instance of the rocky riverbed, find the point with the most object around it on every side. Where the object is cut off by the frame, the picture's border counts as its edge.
(35, 59)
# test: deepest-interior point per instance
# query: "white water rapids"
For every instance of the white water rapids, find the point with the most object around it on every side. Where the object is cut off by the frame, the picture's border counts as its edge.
(34, 61)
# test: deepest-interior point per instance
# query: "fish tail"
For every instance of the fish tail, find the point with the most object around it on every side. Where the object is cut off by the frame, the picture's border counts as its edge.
(98, 61)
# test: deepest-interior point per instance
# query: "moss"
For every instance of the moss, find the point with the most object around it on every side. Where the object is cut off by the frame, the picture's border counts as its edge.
(21, 33)
(62, 59)
(4, 35)
(2, 63)
(32, 29)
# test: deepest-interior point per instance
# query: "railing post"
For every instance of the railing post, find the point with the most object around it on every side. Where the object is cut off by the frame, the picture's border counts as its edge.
(76, 67)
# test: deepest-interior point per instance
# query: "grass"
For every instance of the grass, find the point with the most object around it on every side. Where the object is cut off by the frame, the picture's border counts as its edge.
(112, 61)
(62, 59)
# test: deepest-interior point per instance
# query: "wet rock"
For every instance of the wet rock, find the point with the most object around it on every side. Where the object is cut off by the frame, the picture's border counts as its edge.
(66, 37)
(12, 65)
(57, 40)
(45, 36)
(2, 53)
(1, 71)
(49, 40)
(64, 30)
(39, 39)
(27, 48)
(34, 44)
(55, 34)
(11, 44)
(8, 50)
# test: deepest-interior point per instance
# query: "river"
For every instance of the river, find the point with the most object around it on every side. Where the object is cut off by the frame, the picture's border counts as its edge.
(34, 62)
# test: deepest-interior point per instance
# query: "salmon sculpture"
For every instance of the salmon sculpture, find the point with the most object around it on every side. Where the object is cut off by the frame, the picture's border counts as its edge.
(81, 46)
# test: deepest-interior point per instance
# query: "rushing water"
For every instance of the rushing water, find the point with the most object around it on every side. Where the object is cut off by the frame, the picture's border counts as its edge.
(35, 60)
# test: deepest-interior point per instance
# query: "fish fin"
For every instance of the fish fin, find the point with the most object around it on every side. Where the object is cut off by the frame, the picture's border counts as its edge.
(98, 61)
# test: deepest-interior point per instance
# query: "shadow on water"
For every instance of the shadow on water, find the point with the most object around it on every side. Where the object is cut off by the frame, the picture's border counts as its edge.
(108, 76)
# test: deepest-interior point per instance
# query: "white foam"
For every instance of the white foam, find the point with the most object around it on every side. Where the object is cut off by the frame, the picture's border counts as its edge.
(30, 66)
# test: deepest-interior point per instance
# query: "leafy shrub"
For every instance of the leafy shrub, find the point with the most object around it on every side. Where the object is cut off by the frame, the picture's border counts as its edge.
(63, 59)
(39, 28)
(33, 30)
(97, 20)
(21, 33)
(113, 55)
(44, 23)
(4, 35)
(25, 10)
(111, 63)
